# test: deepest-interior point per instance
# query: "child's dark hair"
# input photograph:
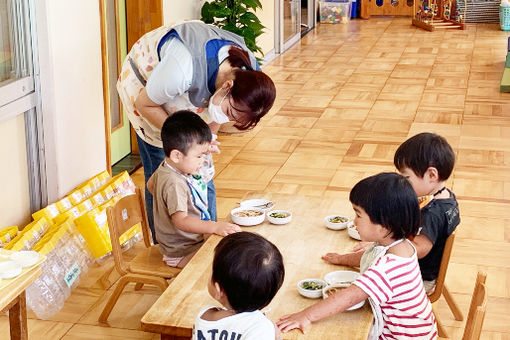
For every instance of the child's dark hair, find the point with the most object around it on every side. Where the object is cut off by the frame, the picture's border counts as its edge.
(250, 270)
(389, 200)
(425, 150)
(182, 129)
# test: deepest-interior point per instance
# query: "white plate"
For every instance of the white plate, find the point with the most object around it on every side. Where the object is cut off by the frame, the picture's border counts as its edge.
(25, 258)
(248, 220)
(339, 277)
(9, 269)
(336, 226)
(353, 232)
(258, 203)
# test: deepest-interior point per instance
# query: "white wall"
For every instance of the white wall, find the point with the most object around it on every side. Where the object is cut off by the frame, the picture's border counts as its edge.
(14, 197)
(267, 18)
(178, 10)
(72, 92)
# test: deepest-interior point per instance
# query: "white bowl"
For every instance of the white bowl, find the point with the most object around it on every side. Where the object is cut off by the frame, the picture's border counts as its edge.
(341, 277)
(326, 292)
(258, 203)
(9, 269)
(311, 293)
(25, 258)
(336, 225)
(279, 220)
(353, 232)
(247, 220)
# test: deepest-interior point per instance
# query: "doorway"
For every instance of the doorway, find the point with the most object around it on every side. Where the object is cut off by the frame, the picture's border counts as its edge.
(294, 18)
(123, 23)
(307, 16)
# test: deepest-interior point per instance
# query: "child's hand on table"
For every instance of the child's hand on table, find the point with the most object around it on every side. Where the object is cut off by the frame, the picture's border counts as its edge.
(297, 320)
(332, 258)
(225, 228)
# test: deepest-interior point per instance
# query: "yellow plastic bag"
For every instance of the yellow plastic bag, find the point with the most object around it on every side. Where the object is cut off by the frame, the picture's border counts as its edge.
(7, 234)
(64, 204)
(49, 212)
(74, 212)
(93, 226)
(29, 236)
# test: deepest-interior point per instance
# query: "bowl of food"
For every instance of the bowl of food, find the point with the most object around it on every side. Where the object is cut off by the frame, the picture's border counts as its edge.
(336, 222)
(311, 288)
(328, 290)
(25, 258)
(353, 232)
(247, 216)
(258, 203)
(279, 216)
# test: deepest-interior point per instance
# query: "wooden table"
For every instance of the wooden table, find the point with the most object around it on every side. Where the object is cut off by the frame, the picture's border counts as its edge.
(301, 242)
(13, 299)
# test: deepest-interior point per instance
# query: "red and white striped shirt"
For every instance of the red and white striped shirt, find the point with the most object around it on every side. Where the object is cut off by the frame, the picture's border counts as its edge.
(395, 284)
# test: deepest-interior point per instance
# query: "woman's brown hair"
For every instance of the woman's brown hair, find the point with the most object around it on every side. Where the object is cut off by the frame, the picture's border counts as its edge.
(253, 91)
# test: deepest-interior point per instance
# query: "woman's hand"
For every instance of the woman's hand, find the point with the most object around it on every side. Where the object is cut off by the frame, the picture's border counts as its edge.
(297, 320)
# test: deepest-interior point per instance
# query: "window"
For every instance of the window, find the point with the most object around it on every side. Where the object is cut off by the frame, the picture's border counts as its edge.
(19, 90)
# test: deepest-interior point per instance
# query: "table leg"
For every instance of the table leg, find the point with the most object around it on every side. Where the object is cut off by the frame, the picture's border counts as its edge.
(18, 318)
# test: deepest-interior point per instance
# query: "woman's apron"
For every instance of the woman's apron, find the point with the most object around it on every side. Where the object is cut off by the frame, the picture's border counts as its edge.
(371, 255)
(136, 69)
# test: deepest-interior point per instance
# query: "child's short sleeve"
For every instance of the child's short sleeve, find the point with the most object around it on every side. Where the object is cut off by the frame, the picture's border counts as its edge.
(376, 283)
(432, 225)
(176, 196)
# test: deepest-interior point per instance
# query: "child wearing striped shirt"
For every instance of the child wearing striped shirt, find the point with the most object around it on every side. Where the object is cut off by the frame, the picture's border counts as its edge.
(387, 213)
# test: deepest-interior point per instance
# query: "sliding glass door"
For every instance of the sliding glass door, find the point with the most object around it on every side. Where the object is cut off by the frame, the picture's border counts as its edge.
(23, 176)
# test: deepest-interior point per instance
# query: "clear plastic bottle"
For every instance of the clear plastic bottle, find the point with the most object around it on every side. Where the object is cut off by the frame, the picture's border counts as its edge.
(55, 269)
(67, 257)
(41, 299)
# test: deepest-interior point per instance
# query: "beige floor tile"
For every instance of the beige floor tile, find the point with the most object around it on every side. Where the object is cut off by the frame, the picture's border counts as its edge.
(88, 332)
(37, 329)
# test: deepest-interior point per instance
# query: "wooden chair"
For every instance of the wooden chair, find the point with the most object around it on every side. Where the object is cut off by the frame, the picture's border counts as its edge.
(147, 267)
(441, 287)
(477, 309)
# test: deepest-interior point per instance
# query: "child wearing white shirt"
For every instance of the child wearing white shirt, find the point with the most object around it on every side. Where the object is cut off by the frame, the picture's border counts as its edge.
(247, 273)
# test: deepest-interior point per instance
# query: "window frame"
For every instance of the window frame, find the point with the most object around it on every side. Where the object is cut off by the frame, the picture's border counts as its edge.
(22, 96)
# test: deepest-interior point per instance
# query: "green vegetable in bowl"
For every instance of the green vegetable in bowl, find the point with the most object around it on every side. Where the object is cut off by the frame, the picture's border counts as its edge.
(311, 285)
(338, 219)
(278, 215)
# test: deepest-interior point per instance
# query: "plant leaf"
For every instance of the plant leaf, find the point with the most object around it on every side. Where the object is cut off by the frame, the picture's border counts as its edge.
(207, 15)
(249, 19)
(233, 29)
(252, 4)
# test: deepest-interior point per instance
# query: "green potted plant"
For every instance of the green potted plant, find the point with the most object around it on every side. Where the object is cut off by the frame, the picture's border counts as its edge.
(235, 16)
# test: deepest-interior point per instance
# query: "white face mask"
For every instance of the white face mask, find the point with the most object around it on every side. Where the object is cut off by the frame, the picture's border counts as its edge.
(216, 113)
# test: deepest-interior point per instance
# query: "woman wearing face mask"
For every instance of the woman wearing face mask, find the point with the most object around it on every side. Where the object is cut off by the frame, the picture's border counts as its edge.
(197, 67)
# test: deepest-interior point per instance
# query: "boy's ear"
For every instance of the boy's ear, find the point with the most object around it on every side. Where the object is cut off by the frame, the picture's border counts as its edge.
(432, 174)
(175, 156)
(219, 293)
